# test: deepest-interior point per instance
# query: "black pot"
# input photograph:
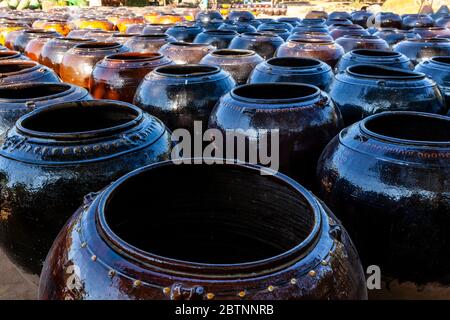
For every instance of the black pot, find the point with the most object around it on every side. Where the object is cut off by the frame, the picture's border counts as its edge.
(421, 49)
(360, 17)
(393, 36)
(218, 38)
(363, 90)
(386, 178)
(304, 116)
(289, 69)
(282, 33)
(182, 94)
(241, 16)
(339, 15)
(56, 155)
(417, 20)
(22, 71)
(275, 25)
(387, 20)
(374, 57)
(263, 43)
(239, 27)
(184, 33)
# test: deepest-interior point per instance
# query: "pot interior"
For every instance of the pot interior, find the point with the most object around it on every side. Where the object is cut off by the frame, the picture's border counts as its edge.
(98, 45)
(135, 56)
(275, 91)
(380, 72)
(32, 91)
(232, 52)
(16, 66)
(213, 214)
(187, 70)
(444, 60)
(375, 53)
(291, 62)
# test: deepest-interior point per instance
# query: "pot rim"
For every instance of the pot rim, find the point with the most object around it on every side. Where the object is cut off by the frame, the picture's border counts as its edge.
(98, 45)
(70, 88)
(236, 53)
(212, 70)
(317, 62)
(445, 64)
(135, 57)
(389, 54)
(32, 65)
(9, 54)
(409, 74)
(188, 44)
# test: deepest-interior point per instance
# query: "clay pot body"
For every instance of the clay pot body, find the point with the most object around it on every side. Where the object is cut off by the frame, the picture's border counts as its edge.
(11, 55)
(360, 18)
(293, 21)
(240, 16)
(387, 175)
(184, 33)
(339, 15)
(121, 38)
(9, 27)
(60, 26)
(363, 90)
(239, 63)
(92, 23)
(99, 35)
(206, 17)
(68, 150)
(393, 36)
(276, 25)
(77, 63)
(124, 22)
(34, 47)
(218, 38)
(282, 33)
(152, 28)
(117, 76)
(432, 32)
(421, 49)
(387, 20)
(239, 27)
(338, 21)
(264, 44)
(80, 33)
(21, 71)
(352, 42)
(417, 20)
(19, 99)
(26, 36)
(148, 42)
(293, 109)
(337, 31)
(288, 69)
(374, 57)
(185, 53)
(182, 94)
(443, 21)
(251, 253)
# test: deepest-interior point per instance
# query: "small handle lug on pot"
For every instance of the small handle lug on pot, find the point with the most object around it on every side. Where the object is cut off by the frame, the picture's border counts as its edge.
(180, 292)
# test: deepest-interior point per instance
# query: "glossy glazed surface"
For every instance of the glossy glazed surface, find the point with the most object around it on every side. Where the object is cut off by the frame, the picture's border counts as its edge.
(421, 49)
(20, 71)
(264, 44)
(218, 38)
(374, 57)
(352, 42)
(186, 53)
(148, 42)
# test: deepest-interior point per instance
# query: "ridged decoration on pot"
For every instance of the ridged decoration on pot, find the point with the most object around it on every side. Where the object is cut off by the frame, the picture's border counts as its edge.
(352, 42)
(20, 71)
(239, 63)
(393, 36)
(218, 38)
(148, 42)
(77, 63)
(264, 44)
(185, 52)
(56, 155)
(305, 117)
(184, 33)
(363, 90)
(26, 36)
(421, 49)
(374, 57)
(231, 250)
(388, 175)
(117, 76)
(288, 69)
(21, 98)
(11, 55)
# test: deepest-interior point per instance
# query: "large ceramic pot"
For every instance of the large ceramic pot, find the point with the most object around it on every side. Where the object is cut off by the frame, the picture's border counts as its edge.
(26, 36)
(393, 36)
(360, 17)
(218, 38)
(239, 63)
(387, 175)
(55, 155)
(432, 32)
(148, 42)
(20, 71)
(60, 26)
(11, 55)
(152, 28)
(303, 116)
(338, 21)
(207, 17)
(288, 69)
(92, 23)
(121, 38)
(387, 20)
(182, 94)
(311, 29)
(293, 21)
(240, 16)
(124, 22)
(184, 33)
(421, 49)
(282, 33)
(77, 63)
(117, 76)
(325, 50)
(374, 57)
(417, 20)
(362, 90)
(352, 42)
(239, 27)
(34, 47)
(8, 27)
(99, 35)
(20, 98)
(438, 69)
(263, 43)
(231, 250)
(316, 15)
(53, 51)
(443, 21)
(339, 15)
(275, 25)
(185, 52)
(337, 31)
(80, 33)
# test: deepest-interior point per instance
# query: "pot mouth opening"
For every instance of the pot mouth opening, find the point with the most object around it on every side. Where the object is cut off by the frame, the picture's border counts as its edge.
(382, 72)
(273, 30)
(417, 128)
(293, 62)
(153, 36)
(98, 45)
(361, 36)
(318, 40)
(375, 53)
(80, 119)
(213, 223)
(233, 53)
(187, 70)
(221, 32)
(263, 33)
(439, 59)
(188, 44)
(9, 54)
(428, 40)
(34, 91)
(135, 56)
(16, 66)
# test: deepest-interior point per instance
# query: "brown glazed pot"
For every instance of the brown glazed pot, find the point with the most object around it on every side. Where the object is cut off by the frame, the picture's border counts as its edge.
(26, 36)
(60, 26)
(121, 38)
(325, 50)
(11, 55)
(352, 42)
(77, 63)
(239, 63)
(148, 42)
(80, 33)
(9, 27)
(185, 52)
(53, 51)
(152, 28)
(117, 76)
(231, 251)
(337, 31)
(419, 50)
(20, 71)
(305, 117)
(99, 35)
(34, 47)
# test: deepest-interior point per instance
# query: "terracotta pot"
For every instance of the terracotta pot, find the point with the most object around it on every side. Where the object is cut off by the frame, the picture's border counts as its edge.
(255, 260)
(241, 16)
(11, 55)
(60, 26)
(417, 20)
(68, 150)
(117, 76)
(19, 99)
(77, 63)
(21, 71)
(148, 42)
(362, 90)
(387, 20)
(263, 43)
(432, 32)
(182, 94)
(218, 38)
(421, 49)
(8, 27)
(34, 47)
(374, 57)
(352, 42)
(304, 116)
(26, 36)
(184, 33)
(124, 22)
(360, 17)
(185, 53)
(297, 70)
(393, 36)
(337, 31)
(384, 175)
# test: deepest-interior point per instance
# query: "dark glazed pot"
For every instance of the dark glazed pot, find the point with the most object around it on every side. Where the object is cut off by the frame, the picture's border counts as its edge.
(387, 20)
(275, 25)
(282, 33)
(304, 116)
(432, 32)
(207, 16)
(117, 76)
(77, 63)
(182, 94)
(374, 57)
(339, 15)
(184, 33)
(121, 38)
(417, 20)
(337, 31)
(11, 55)
(293, 21)
(300, 70)
(21, 71)
(362, 90)
(218, 38)
(26, 36)
(393, 36)
(263, 43)
(443, 21)
(185, 52)
(387, 175)
(148, 42)
(152, 28)
(325, 50)
(360, 17)
(338, 21)
(232, 251)
(55, 155)
(239, 63)
(421, 49)
(352, 42)
(241, 16)
(34, 47)
(239, 27)
(19, 99)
